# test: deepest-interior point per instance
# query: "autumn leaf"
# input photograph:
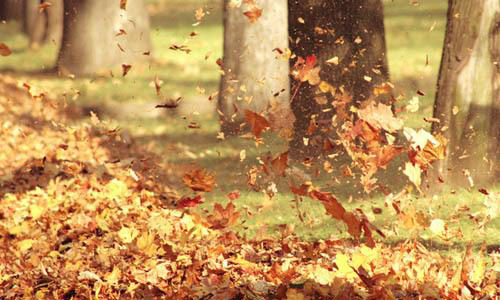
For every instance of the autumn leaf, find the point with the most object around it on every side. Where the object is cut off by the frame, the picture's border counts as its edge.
(381, 117)
(331, 204)
(307, 71)
(125, 69)
(223, 217)
(4, 50)
(413, 172)
(190, 202)
(257, 122)
(123, 4)
(280, 164)
(253, 14)
(199, 180)
(44, 5)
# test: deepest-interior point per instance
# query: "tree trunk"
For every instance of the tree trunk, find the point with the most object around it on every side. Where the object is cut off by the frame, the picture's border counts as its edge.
(467, 100)
(255, 71)
(93, 40)
(11, 10)
(353, 32)
(43, 26)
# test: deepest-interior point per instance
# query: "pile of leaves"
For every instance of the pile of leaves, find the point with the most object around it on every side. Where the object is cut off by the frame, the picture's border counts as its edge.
(86, 213)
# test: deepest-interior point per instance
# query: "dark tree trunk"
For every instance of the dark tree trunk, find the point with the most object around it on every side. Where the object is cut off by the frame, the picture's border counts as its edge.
(352, 31)
(92, 38)
(11, 10)
(255, 73)
(467, 100)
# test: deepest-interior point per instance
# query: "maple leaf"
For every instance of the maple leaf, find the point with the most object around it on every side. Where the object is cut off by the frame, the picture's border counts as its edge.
(257, 122)
(4, 50)
(223, 217)
(190, 202)
(123, 4)
(380, 116)
(331, 204)
(199, 180)
(307, 70)
(253, 14)
(413, 172)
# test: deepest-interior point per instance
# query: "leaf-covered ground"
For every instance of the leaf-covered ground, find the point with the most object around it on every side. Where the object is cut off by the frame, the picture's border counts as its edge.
(85, 212)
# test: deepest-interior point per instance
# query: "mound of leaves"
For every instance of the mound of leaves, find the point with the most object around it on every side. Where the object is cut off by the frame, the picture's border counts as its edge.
(84, 213)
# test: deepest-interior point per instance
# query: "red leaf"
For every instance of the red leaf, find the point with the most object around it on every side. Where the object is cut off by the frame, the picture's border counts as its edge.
(4, 50)
(190, 202)
(253, 14)
(258, 123)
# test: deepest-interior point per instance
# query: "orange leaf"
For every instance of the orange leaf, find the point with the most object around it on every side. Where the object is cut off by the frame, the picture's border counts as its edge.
(258, 123)
(4, 50)
(199, 180)
(123, 4)
(125, 69)
(380, 116)
(253, 14)
(332, 206)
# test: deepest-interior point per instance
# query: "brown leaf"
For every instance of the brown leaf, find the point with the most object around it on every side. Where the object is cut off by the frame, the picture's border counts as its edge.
(125, 69)
(123, 4)
(253, 14)
(258, 123)
(4, 50)
(43, 6)
(380, 116)
(280, 164)
(199, 180)
(332, 206)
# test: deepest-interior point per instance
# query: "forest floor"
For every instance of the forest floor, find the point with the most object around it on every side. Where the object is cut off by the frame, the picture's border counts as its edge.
(414, 37)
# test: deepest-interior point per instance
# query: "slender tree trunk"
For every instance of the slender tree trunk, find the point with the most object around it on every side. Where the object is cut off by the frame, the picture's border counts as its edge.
(46, 25)
(98, 35)
(467, 100)
(351, 32)
(255, 71)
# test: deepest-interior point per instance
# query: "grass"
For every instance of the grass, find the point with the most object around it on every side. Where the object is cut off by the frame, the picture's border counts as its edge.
(414, 38)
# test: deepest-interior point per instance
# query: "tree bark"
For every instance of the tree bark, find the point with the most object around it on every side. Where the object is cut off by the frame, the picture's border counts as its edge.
(467, 100)
(352, 31)
(93, 40)
(11, 10)
(255, 72)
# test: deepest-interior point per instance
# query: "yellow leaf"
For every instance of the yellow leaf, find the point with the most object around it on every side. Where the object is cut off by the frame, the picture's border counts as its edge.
(36, 211)
(321, 275)
(146, 243)
(114, 276)
(413, 172)
(294, 294)
(128, 234)
(25, 245)
(344, 269)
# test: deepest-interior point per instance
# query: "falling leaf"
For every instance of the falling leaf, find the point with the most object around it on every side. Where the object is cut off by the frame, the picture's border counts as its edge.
(334, 60)
(253, 14)
(243, 155)
(125, 69)
(123, 4)
(455, 110)
(380, 116)
(199, 180)
(413, 172)
(413, 106)
(4, 50)
(257, 122)
(44, 5)
(199, 14)
(190, 202)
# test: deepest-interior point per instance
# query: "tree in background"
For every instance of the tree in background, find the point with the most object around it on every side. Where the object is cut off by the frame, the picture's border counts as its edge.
(98, 35)
(255, 69)
(468, 94)
(43, 21)
(11, 9)
(345, 40)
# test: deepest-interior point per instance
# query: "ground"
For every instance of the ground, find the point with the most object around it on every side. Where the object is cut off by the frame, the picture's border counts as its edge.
(415, 33)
